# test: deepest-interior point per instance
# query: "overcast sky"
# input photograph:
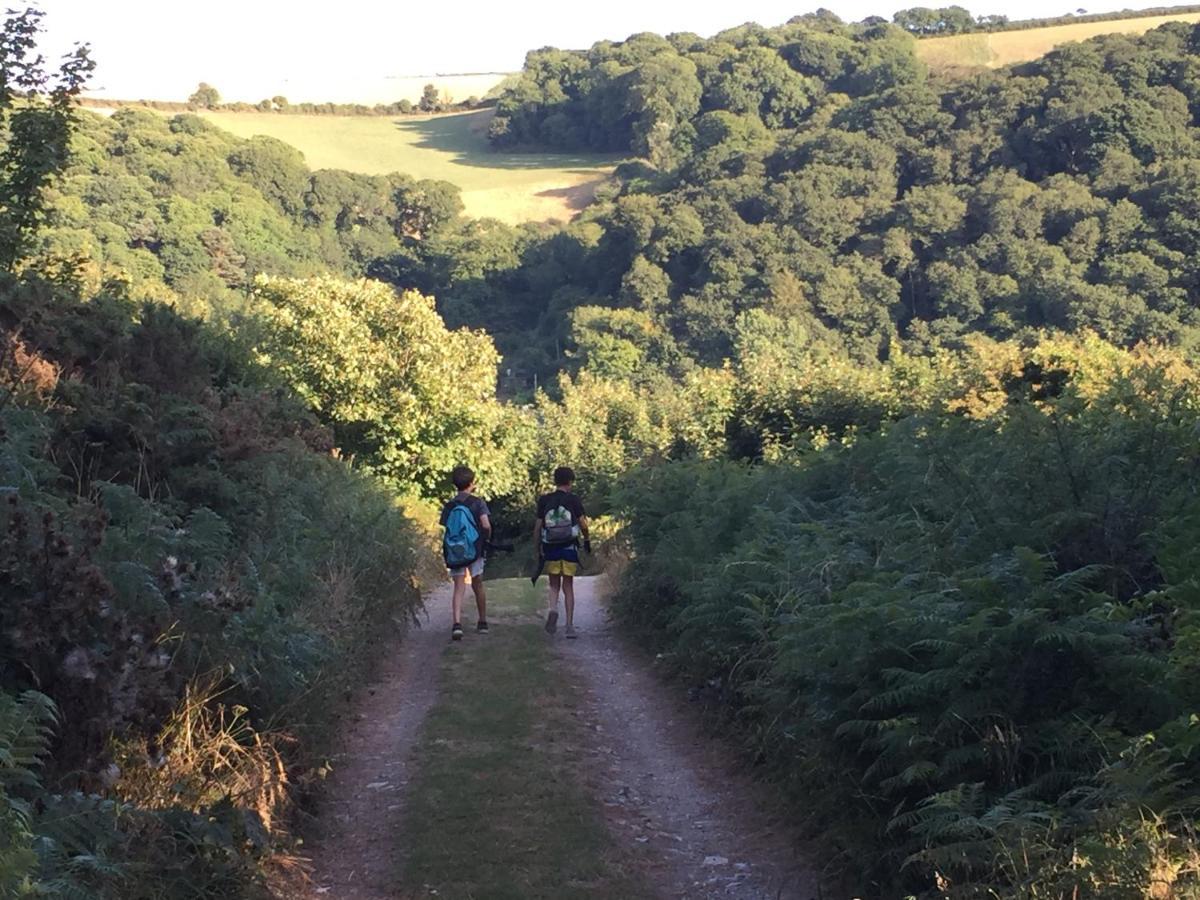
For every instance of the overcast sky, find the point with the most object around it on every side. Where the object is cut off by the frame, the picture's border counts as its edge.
(351, 50)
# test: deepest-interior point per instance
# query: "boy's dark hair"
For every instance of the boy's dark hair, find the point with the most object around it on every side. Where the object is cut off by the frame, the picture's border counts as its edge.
(462, 477)
(564, 475)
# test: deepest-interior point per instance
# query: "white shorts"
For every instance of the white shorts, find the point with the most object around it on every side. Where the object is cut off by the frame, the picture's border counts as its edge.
(475, 568)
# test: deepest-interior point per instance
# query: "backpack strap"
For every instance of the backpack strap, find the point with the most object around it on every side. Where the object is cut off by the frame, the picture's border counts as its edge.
(470, 512)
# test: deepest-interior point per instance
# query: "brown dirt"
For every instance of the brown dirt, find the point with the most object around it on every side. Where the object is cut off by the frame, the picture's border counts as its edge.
(673, 797)
(669, 789)
(354, 851)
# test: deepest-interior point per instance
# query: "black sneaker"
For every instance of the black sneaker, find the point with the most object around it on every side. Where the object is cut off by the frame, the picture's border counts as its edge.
(456, 632)
(481, 627)
(552, 622)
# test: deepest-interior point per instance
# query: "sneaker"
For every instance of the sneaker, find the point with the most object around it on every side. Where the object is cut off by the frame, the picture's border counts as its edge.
(456, 632)
(571, 632)
(552, 622)
(481, 627)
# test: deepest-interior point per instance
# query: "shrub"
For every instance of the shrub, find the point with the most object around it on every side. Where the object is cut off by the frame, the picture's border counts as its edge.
(963, 643)
(193, 579)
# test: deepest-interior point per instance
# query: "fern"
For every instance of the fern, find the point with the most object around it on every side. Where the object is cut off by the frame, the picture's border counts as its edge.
(26, 727)
(944, 640)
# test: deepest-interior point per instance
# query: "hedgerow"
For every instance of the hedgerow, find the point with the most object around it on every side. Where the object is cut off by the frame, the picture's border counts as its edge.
(962, 642)
(176, 540)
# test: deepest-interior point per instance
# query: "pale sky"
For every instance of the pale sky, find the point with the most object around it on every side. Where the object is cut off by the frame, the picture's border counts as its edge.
(357, 50)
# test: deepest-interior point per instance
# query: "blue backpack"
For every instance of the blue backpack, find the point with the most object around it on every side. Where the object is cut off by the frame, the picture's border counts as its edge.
(460, 545)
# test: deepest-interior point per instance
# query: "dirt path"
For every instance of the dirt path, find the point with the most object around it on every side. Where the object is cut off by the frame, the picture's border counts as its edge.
(353, 855)
(672, 797)
(668, 788)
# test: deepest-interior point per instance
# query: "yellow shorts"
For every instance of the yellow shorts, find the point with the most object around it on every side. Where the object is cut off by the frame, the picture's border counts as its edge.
(561, 567)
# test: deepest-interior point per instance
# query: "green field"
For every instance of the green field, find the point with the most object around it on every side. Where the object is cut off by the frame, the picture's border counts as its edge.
(512, 187)
(1003, 48)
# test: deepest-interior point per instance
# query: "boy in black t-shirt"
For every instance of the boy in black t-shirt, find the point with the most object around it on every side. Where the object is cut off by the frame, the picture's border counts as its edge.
(561, 524)
(464, 480)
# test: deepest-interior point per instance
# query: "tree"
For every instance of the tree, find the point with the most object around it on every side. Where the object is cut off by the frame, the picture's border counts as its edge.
(205, 96)
(405, 396)
(280, 101)
(759, 81)
(276, 169)
(37, 111)
(424, 207)
(662, 95)
(430, 101)
(613, 343)
(923, 20)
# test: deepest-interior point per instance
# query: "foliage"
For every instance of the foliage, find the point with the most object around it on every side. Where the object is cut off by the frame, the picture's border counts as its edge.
(843, 346)
(37, 116)
(161, 208)
(171, 512)
(1003, 23)
(281, 104)
(25, 728)
(824, 178)
(947, 20)
(959, 639)
(205, 96)
(430, 100)
(401, 392)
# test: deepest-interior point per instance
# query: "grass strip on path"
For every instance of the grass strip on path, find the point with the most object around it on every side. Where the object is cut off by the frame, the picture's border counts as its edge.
(497, 809)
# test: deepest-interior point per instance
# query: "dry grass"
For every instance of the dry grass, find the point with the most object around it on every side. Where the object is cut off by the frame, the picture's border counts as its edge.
(24, 372)
(1003, 48)
(207, 752)
(512, 187)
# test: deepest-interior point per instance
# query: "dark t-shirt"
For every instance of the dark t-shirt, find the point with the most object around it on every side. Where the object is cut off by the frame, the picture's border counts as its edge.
(572, 504)
(568, 501)
(477, 505)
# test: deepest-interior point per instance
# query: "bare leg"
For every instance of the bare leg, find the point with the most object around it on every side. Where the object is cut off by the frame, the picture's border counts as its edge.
(552, 593)
(480, 597)
(569, 599)
(456, 599)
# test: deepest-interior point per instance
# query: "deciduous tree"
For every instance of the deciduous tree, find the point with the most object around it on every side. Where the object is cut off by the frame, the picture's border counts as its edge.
(205, 96)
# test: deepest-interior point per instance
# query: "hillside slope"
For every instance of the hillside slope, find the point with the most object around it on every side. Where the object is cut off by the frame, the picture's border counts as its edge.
(1004, 48)
(511, 187)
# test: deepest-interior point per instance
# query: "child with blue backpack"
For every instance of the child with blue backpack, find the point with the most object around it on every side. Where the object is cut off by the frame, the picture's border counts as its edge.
(468, 529)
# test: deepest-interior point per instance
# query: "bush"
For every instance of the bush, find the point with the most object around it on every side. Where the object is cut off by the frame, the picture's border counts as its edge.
(193, 579)
(410, 398)
(963, 643)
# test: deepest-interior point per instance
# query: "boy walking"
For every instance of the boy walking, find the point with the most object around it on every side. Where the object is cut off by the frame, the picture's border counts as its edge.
(468, 529)
(561, 524)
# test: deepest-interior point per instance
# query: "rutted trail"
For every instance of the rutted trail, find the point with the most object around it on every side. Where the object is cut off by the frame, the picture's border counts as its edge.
(354, 852)
(678, 811)
(668, 788)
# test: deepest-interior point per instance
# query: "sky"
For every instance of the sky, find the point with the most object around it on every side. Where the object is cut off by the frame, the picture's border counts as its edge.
(358, 50)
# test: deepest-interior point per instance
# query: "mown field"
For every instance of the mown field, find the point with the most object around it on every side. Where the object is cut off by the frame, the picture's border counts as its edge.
(512, 187)
(1003, 48)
